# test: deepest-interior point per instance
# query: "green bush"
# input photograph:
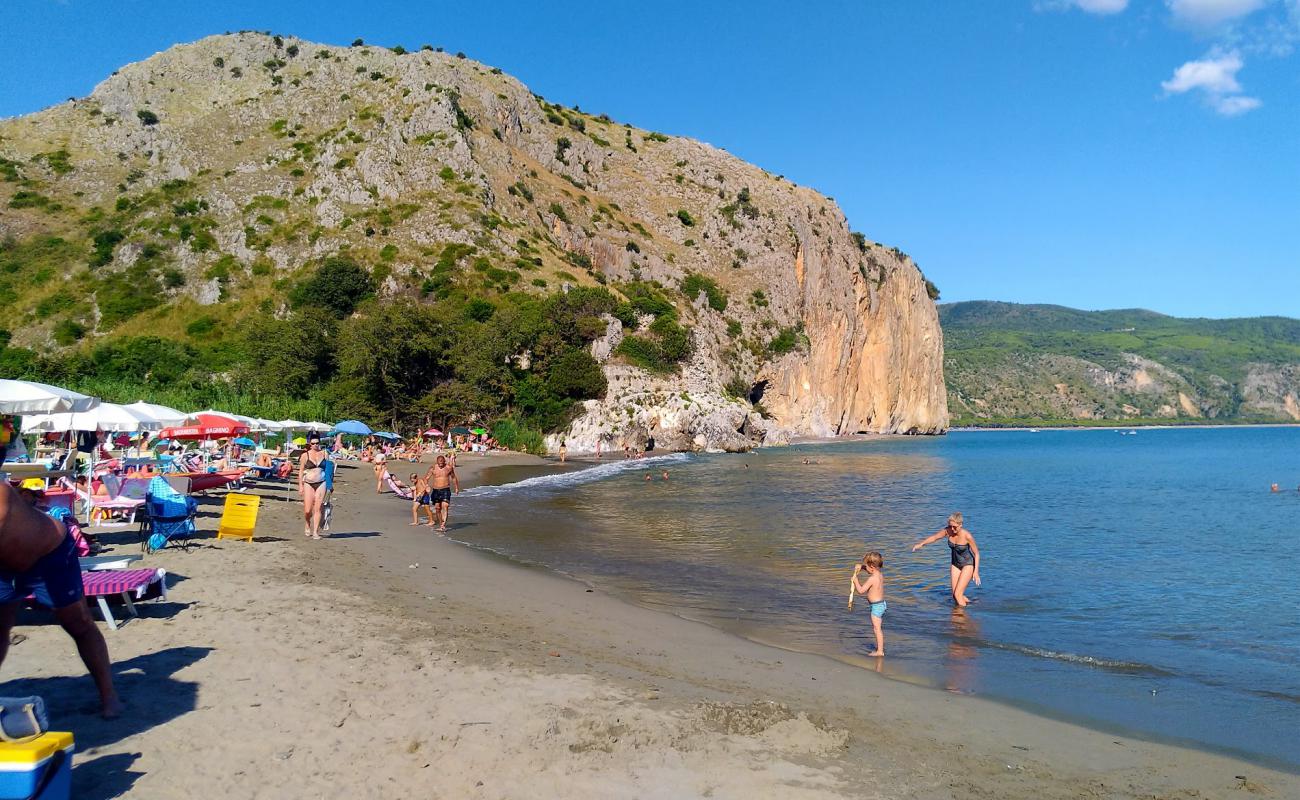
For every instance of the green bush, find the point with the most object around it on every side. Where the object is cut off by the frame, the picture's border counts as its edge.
(786, 340)
(685, 217)
(558, 211)
(147, 117)
(694, 283)
(339, 285)
(68, 332)
(104, 242)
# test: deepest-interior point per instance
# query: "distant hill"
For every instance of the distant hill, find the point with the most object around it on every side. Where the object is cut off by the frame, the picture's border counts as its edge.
(1007, 363)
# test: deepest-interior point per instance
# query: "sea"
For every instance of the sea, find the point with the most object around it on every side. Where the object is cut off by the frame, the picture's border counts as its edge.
(1143, 583)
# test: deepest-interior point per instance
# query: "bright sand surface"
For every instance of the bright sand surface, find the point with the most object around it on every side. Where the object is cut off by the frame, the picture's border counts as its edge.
(286, 668)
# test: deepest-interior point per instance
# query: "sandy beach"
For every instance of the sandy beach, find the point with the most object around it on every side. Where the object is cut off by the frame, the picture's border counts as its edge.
(388, 662)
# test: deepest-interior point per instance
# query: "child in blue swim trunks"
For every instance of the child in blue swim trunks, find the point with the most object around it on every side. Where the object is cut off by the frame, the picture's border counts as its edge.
(874, 589)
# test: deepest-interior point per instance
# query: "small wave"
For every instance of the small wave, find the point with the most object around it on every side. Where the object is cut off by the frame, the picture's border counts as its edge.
(576, 477)
(1111, 665)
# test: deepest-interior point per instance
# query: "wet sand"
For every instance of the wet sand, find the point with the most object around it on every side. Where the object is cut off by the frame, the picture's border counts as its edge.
(389, 662)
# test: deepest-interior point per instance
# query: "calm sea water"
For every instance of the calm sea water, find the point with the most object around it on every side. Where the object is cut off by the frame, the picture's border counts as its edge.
(1142, 582)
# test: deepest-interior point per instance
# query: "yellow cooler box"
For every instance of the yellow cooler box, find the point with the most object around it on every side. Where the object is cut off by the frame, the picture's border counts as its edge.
(39, 768)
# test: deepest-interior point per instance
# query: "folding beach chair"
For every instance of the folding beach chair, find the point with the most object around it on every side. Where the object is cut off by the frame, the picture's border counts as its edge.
(168, 517)
(239, 516)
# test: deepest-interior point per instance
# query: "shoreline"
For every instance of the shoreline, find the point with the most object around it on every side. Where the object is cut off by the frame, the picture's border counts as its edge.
(1148, 426)
(469, 675)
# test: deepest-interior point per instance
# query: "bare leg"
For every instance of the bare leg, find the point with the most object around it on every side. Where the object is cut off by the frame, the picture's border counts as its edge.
(308, 495)
(8, 612)
(415, 513)
(959, 591)
(317, 501)
(444, 515)
(877, 624)
(955, 575)
(76, 620)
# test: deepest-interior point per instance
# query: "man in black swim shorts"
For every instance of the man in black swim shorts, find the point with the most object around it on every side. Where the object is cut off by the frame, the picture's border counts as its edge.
(38, 556)
(442, 479)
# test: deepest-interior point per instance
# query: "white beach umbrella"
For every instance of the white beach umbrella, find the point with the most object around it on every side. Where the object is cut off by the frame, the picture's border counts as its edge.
(292, 425)
(166, 415)
(319, 427)
(268, 425)
(103, 417)
(29, 397)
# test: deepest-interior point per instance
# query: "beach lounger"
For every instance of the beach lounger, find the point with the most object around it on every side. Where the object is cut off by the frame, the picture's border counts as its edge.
(102, 584)
(93, 503)
(94, 563)
(239, 516)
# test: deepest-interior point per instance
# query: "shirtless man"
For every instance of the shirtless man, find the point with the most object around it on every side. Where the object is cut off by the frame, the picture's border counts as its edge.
(442, 478)
(37, 550)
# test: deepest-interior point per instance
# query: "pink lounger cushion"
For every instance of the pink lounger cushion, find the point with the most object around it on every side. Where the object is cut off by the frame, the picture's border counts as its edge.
(117, 581)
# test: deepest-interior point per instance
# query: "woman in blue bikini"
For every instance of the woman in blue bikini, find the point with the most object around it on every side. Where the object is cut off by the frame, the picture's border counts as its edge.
(965, 557)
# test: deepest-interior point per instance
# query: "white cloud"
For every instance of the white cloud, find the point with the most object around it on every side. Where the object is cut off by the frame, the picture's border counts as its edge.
(1235, 105)
(1215, 77)
(1212, 13)
(1101, 7)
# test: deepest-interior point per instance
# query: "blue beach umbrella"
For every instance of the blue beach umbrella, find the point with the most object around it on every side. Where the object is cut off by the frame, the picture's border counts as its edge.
(244, 441)
(388, 435)
(353, 426)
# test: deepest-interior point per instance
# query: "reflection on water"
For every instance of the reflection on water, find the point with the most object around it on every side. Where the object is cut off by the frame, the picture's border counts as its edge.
(1097, 552)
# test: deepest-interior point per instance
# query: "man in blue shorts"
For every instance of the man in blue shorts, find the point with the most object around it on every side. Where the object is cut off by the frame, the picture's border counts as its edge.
(37, 554)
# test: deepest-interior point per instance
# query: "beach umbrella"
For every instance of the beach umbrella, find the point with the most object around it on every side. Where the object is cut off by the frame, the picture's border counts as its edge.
(244, 441)
(292, 425)
(300, 440)
(103, 417)
(268, 425)
(247, 422)
(207, 426)
(165, 415)
(461, 431)
(433, 432)
(29, 397)
(479, 431)
(319, 427)
(388, 435)
(353, 426)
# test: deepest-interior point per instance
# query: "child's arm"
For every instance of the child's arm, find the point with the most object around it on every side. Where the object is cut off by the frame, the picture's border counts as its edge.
(975, 551)
(853, 584)
(928, 540)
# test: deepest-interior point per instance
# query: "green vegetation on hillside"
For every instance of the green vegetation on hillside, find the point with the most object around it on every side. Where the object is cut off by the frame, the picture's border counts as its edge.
(1017, 350)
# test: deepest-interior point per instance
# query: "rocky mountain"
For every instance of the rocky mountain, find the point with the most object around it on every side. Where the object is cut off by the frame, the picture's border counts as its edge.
(205, 182)
(1008, 363)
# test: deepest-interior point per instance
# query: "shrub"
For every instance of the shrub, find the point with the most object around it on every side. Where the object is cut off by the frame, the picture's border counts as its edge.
(26, 199)
(785, 341)
(931, 290)
(358, 42)
(388, 253)
(758, 298)
(558, 211)
(738, 388)
(734, 328)
(147, 117)
(633, 247)
(860, 240)
(562, 146)
(576, 375)
(104, 242)
(695, 283)
(685, 217)
(338, 286)
(68, 332)
(201, 326)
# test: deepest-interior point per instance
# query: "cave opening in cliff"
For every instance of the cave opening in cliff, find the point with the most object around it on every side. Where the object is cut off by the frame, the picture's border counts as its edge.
(756, 392)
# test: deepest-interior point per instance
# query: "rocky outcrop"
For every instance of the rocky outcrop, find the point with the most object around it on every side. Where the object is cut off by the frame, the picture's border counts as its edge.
(279, 152)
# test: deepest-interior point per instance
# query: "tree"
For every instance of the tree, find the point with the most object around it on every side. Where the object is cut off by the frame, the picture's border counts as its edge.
(575, 374)
(398, 351)
(338, 286)
(287, 356)
(147, 117)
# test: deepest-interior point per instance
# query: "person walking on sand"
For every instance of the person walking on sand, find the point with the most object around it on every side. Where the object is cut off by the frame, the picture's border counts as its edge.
(965, 556)
(442, 478)
(37, 553)
(381, 469)
(420, 499)
(874, 588)
(311, 485)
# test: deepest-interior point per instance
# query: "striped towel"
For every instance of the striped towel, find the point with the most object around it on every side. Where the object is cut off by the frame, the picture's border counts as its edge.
(117, 581)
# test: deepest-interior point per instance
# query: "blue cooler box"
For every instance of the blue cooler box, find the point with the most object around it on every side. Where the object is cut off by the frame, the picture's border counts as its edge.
(43, 762)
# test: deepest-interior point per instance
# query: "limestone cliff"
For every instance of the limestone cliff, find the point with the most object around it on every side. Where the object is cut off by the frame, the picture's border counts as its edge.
(218, 171)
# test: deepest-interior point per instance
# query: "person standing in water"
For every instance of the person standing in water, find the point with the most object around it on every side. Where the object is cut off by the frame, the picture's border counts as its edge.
(441, 478)
(874, 589)
(965, 556)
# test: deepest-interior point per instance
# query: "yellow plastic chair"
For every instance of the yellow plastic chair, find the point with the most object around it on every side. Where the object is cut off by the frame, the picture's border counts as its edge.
(239, 516)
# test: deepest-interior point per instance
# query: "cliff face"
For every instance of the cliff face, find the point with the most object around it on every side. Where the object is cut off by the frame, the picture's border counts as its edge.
(221, 169)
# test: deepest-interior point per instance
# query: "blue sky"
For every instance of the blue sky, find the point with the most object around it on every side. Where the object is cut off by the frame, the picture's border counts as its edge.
(1092, 153)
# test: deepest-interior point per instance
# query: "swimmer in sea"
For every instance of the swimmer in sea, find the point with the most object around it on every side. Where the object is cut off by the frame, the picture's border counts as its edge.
(665, 474)
(965, 556)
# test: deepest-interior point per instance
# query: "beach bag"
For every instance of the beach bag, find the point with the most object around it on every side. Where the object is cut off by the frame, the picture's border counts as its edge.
(326, 514)
(22, 718)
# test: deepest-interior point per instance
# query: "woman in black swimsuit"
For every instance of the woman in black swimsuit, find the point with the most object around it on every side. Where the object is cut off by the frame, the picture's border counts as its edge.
(965, 557)
(311, 484)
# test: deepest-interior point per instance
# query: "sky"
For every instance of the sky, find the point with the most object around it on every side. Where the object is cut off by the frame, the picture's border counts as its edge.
(1089, 153)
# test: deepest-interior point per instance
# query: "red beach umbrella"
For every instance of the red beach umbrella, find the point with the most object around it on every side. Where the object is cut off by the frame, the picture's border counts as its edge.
(206, 426)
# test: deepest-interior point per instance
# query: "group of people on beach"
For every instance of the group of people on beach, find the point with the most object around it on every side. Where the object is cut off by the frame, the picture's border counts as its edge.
(965, 567)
